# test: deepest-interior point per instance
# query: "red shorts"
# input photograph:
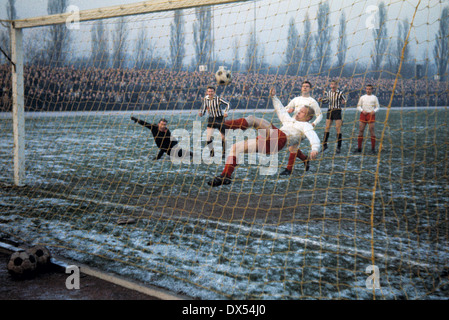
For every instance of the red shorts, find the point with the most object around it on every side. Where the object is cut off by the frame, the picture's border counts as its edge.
(367, 118)
(274, 143)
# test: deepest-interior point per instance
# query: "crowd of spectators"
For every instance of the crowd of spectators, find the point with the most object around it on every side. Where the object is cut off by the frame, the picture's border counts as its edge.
(89, 89)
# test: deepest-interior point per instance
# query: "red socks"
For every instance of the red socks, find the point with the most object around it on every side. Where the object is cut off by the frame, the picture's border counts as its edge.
(301, 155)
(291, 161)
(360, 142)
(230, 165)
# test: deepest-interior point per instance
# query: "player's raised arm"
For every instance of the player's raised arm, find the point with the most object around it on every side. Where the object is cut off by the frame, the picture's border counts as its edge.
(281, 112)
(143, 123)
(291, 106)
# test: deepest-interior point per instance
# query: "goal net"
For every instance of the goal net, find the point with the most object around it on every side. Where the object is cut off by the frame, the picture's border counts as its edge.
(366, 219)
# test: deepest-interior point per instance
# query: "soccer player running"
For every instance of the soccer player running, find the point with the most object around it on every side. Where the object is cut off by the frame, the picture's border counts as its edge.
(290, 134)
(335, 100)
(162, 137)
(212, 104)
(368, 105)
(294, 106)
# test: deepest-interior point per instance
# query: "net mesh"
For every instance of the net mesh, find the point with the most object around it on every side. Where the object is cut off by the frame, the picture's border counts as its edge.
(96, 194)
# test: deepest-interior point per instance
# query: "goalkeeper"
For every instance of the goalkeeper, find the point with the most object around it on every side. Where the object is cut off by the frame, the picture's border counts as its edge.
(162, 137)
(290, 134)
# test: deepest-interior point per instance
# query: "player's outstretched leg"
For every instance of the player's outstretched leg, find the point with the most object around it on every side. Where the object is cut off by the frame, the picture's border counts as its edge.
(235, 124)
(248, 122)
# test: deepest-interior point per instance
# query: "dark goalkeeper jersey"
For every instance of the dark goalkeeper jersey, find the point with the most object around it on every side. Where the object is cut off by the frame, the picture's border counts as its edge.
(162, 139)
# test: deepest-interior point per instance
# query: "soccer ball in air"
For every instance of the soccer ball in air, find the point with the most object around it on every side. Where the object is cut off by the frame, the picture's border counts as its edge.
(42, 255)
(22, 264)
(223, 76)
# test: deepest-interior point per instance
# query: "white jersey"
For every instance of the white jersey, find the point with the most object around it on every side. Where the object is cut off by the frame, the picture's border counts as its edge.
(299, 102)
(368, 103)
(295, 130)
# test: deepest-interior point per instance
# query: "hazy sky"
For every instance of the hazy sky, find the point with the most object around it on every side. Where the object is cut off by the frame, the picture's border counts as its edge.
(234, 23)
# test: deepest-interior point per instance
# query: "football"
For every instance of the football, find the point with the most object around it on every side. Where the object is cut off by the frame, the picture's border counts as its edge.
(42, 255)
(22, 264)
(223, 76)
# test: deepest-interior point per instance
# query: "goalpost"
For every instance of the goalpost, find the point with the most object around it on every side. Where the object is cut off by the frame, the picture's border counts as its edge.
(18, 107)
(351, 224)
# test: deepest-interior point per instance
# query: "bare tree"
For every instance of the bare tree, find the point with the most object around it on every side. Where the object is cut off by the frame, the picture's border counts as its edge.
(396, 56)
(293, 51)
(380, 39)
(342, 42)
(254, 54)
(323, 38)
(441, 49)
(100, 47)
(11, 10)
(4, 34)
(4, 41)
(202, 35)
(58, 41)
(307, 45)
(144, 50)
(119, 45)
(177, 40)
(236, 59)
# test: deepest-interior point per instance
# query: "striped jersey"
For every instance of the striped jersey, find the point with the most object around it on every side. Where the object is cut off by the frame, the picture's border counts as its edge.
(213, 106)
(334, 99)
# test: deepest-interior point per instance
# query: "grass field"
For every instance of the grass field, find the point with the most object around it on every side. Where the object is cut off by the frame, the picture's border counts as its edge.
(311, 235)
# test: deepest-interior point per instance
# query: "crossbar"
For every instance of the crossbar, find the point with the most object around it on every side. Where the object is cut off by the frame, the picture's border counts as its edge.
(117, 11)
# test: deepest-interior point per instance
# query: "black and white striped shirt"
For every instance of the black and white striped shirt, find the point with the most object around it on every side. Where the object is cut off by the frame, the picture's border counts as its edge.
(334, 99)
(213, 106)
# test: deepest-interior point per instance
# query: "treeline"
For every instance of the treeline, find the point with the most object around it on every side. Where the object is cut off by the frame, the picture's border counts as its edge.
(307, 52)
